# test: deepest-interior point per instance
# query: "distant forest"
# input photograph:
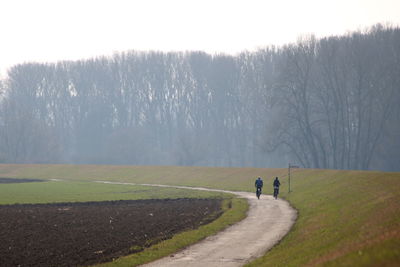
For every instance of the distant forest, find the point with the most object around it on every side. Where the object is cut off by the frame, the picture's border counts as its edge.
(319, 103)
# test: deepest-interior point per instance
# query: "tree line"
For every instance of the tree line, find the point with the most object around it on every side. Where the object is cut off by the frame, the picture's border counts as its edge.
(323, 103)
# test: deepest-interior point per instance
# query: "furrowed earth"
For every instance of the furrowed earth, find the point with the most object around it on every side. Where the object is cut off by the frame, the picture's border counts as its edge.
(72, 234)
(16, 181)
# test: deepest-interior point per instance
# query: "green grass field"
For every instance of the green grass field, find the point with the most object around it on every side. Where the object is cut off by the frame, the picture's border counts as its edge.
(346, 218)
(78, 191)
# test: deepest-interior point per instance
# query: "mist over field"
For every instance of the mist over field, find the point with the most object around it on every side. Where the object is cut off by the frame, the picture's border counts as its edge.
(320, 103)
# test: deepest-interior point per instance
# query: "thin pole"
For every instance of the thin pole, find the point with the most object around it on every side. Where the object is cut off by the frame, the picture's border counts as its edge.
(289, 177)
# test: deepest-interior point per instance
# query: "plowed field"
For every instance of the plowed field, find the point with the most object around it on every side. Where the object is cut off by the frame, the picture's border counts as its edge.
(71, 234)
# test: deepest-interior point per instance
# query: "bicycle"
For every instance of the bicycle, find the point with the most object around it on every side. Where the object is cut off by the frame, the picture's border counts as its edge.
(276, 191)
(258, 192)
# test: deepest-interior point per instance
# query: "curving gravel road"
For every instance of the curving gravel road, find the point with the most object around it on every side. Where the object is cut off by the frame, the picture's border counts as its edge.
(267, 222)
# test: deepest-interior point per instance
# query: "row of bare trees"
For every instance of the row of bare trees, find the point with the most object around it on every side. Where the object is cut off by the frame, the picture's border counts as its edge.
(340, 98)
(328, 103)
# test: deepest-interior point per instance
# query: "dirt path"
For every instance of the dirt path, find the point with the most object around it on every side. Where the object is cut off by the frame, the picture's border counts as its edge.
(268, 220)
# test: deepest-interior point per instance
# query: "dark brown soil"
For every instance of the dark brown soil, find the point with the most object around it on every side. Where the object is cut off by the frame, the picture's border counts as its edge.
(71, 234)
(14, 180)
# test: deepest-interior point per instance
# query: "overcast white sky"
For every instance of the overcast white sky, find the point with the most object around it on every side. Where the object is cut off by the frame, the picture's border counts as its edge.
(52, 30)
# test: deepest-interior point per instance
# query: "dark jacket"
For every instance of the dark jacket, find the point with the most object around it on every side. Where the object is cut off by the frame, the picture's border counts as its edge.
(259, 183)
(276, 183)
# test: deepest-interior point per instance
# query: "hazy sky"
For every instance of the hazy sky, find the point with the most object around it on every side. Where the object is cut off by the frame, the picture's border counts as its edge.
(51, 30)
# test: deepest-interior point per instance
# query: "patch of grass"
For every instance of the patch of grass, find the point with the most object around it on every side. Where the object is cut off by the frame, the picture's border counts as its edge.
(71, 191)
(234, 210)
(236, 179)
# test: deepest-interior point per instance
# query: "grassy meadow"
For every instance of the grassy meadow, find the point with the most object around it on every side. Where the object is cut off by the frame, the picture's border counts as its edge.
(78, 191)
(346, 218)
